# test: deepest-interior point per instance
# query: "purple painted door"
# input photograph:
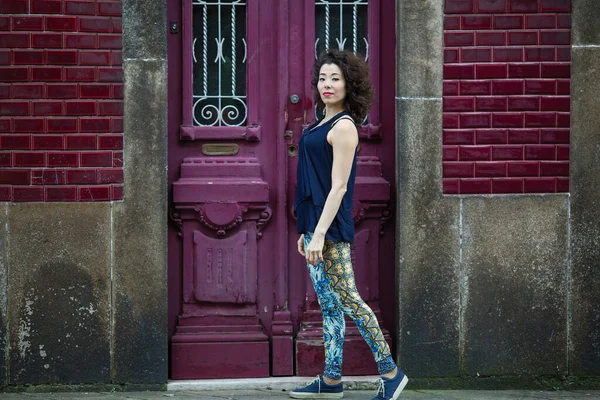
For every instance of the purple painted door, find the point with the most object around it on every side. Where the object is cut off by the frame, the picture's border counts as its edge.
(240, 300)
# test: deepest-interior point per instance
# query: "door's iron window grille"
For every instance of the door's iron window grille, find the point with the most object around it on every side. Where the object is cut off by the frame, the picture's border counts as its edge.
(219, 63)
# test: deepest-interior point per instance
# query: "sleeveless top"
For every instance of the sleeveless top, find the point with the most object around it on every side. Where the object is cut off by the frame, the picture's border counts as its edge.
(315, 163)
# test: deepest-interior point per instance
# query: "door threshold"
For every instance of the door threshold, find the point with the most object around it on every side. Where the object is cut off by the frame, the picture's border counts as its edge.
(285, 383)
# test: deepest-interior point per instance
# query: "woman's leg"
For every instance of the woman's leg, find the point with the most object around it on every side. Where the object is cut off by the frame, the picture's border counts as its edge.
(334, 325)
(338, 271)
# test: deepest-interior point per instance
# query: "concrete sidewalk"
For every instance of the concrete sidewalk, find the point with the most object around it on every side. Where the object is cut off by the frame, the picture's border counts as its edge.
(279, 394)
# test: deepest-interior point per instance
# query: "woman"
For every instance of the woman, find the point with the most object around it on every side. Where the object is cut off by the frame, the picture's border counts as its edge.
(323, 206)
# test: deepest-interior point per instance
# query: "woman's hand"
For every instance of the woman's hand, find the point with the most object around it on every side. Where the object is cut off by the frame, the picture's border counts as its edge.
(301, 245)
(314, 251)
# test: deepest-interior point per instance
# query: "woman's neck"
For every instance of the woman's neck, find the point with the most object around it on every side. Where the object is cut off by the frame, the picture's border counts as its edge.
(330, 112)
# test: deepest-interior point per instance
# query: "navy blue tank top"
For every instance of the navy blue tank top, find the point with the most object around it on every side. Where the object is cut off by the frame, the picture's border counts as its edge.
(313, 184)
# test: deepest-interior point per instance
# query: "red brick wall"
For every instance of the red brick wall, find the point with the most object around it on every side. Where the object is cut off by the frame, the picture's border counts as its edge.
(61, 108)
(506, 96)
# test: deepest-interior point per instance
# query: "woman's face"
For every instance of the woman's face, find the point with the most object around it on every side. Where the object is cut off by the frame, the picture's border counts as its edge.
(331, 85)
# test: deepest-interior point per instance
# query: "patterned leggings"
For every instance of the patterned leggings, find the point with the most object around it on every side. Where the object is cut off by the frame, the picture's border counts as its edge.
(333, 281)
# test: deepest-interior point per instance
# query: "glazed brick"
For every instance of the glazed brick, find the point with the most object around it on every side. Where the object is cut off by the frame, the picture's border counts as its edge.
(110, 75)
(540, 54)
(475, 186)
(110, 41)
(490, 71)
(524, 103)
(4, 90)
(94, 24)
(80, 74)
(472, 153)
(15, 142)
(5, 58)
(61, 57)
(46, 74)
(80, 107)
(522, 70)
(490, 136)
(12, 40)
(562, 151)
(562, 185)
(462, 136)
(539, 185)
(81, 142)
(540, 21)
(475, 87)
(475, 120)
(28, 193)
(450, 120)
(28, 23)
(81, 176)
(80, 7)
(14, 74)
(563, 120)
(556, 70)
(507, 87)
(117, 58)
(96, 159)
(114, 107)
(94, 57)
(450, 88)
(110, 175)
(95, 125)
(5, 159)
(94, 193)
(48, 142)
(490, 169)
(62, 125)
(556, 103)
(555, 5)
(507, 185)
(523, 136)
(563, 54)
(28, 125)
(116, 192)
(508, 54)
(15, 176)
(555, 136)
(29, 159)
(540, 152)
(110, 142)
(541, 119)
(117, 159)
(451, 55)
(449, 153)
(554, 168)
(80, 41)
(117, 125)
(523, 5)
(451, 186)
(62, 24)
(117, 25)
(458, 71)
(14, 108)
(476, 55)
(494, 6)
(28, 57)
(63, 159)
(109, 8)
(523, 168)
(459, 6)
(563, 21)
(47, 40)
(507, 120)
(4, 23)
(490, 103)
(540, 86)
(46, 6)
(14, 7)
(555, 37)
(522, 38)
(458, 169)
(509, 22)
(47, 108)
(490, 39)
(117, 91)
(62, 91)
(459, 104)
(451, 22)
(507, 152)
(5, 125)
(64, 193)
(94, 91)
(476, 22)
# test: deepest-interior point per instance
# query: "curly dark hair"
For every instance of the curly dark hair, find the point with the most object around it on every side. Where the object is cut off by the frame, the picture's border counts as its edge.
(359, 89)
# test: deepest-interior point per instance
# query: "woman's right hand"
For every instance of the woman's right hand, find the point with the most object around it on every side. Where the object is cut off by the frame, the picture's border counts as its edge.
(301, 245)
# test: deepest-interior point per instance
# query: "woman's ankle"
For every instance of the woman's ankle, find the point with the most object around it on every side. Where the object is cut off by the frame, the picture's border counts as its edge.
(391, 374)
(330, 381)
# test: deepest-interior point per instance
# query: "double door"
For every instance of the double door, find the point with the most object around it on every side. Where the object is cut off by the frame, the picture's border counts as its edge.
(240, 299)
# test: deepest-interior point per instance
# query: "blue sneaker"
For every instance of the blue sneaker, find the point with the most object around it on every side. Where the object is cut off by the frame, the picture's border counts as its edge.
(390, 388)
(318, 389)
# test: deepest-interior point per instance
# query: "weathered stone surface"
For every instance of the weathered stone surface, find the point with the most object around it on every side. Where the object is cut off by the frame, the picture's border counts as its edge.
(419, 48)
(140, 231)
(585, 210)
(428, 247)
(59, 292)
(515, 255)
(3, 292)
(585, 15)
(144, 29)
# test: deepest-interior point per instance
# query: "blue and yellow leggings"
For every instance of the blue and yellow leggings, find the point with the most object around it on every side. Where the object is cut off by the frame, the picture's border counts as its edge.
(333, 281)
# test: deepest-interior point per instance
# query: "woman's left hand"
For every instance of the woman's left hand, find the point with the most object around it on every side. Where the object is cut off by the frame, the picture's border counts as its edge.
(314, 251)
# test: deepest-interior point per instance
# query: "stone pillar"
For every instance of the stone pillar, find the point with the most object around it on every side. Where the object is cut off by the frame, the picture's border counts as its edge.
(585, 190)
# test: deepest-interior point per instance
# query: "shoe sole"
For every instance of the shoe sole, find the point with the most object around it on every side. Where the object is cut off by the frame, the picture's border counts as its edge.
(300, 395)
(400, 388)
